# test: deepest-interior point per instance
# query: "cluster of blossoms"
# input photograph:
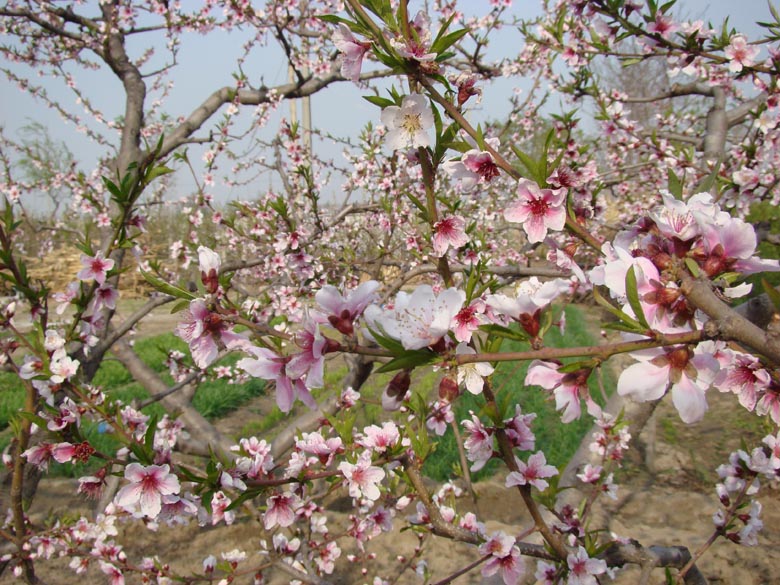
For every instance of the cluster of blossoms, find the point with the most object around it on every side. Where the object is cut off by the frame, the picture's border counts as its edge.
(658, 251)
(740, 481)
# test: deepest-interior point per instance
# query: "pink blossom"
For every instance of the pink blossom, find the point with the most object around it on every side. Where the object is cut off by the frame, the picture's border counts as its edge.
(342, 311)
(62, 366)
(39, 455)
(468, 320)
(324, 449)
(769, 403)
(115, 576)
(663, 25)
(310, 361)
(209, 263)
(206, 333)
(740, 54)
(582, 568)
(219, 504)
(478, 442)
(472, 375)
(449, 231)
(532, 297)
(362, 477)
(352, 52)
(272, 367)
(440, 417)
(419, 319)
(568, 388)
(689, 373)
(379, 439)
(537, 209)
(474, 167)
(67, 452)
(325, 556)
(417, 46)
(95, 267)
(518, 430)
(532, 473)
(280, 510)
(546, 573)
(504, 558)
(408, 123)
(143, 496)
(105, 296)
(745, 377)
(729, 245)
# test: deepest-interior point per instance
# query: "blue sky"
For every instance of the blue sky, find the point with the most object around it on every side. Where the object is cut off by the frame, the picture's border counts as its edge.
(207, 63)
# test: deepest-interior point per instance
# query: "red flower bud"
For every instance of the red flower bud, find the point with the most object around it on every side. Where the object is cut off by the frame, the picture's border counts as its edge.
(448, 389)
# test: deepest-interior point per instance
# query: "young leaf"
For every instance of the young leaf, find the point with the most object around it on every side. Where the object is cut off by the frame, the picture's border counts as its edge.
(633, 297)
(379, 101)
(674, 184)
(772, 293)
(632, 324)
(167, 288)
(409, 360)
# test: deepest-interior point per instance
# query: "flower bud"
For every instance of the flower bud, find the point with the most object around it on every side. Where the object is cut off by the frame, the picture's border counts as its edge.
(448, 389)
(394, 394)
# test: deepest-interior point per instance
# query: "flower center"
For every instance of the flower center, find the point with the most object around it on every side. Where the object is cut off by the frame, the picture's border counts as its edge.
(411, 123)
(538, 206)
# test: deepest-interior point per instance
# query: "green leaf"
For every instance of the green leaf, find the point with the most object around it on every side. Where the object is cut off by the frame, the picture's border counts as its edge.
(576, 366)
(244, 497)
(530, 164)
(139, 452)
(632, 324)
(392, 345)
(343, 424)
(708, 182)
(118, 196)
(674, 184)
(772, 293)
(180, 306)
(633, 297)
(149, 436)
(504, 332)
(333, 19)
(167, 288)
(692, 267)
(379, 101)
(157, 171)
(411, 359)
(445, 42)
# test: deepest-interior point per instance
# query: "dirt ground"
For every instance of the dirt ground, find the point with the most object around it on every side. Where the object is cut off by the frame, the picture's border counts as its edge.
(666, 497)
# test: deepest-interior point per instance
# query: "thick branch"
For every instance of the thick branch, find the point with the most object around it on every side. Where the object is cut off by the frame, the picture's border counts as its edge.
(249, 97)
(726, 323)
(116, 58)
(717, 127)
(677, 90)
(203, 432)
(676, 557)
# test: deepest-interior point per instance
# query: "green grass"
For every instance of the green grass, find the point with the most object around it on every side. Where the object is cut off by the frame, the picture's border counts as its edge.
(213, 399)
(558, 441)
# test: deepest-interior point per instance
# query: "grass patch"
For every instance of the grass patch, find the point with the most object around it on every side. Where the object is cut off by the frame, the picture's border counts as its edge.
(558, 441)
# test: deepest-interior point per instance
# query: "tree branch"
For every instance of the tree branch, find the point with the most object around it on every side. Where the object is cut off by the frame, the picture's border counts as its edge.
(725, 322)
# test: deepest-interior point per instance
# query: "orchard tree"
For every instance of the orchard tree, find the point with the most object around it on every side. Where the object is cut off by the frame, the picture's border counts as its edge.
(458, 238)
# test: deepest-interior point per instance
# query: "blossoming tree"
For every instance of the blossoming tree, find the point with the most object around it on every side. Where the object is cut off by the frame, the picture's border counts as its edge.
(436, 266)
